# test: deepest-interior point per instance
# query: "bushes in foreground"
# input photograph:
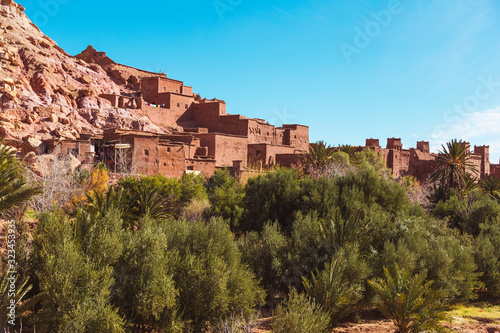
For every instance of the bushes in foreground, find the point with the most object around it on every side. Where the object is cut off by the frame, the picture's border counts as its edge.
(114, 267)
(409, 300)
(167, 276)
(300, 314)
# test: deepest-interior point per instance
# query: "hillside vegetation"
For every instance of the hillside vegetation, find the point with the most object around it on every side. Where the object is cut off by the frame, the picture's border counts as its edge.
(152, 254)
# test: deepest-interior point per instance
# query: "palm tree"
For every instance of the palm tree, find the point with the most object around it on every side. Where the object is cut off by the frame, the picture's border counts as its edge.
(454, 165)
(147, 200)
(348, 149)
(319, 155)
(491, 186)
(20, 304)
(409, 301)
(13, 186)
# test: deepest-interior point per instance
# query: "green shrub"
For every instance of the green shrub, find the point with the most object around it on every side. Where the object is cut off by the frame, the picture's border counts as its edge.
(280, 261)
(361, 190)
(144, 289)
(209, 275)
(340, 286)
(167, 195)
(265, 255)
(487, 256)
(468, 213)
(300, 314)
(319, 196)
(226, 197)
(272, 197)
(424, 244)
(100, 237)
(409, 301)
(369, 160)
(76, 291)
(305, 253)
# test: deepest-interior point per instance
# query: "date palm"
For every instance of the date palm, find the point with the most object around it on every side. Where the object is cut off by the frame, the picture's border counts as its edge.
(491, 186)
(409, 301)
(319, 155)
(348, 149)
(13, 186)
(453, 165)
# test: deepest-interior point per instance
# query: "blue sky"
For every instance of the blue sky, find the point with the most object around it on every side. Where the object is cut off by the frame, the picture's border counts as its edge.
(350, 70)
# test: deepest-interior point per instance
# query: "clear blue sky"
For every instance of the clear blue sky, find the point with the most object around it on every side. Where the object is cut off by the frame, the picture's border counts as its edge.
(428, 71)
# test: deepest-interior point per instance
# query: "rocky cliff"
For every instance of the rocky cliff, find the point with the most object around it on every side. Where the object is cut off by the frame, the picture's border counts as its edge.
(46, 93)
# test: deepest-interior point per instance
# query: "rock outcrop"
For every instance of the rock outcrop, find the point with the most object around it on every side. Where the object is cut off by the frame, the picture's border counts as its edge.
(50, 94)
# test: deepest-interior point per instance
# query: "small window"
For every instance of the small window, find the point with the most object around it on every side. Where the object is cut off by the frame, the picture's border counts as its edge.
(178, 105)
(164, 88)
(176, 91)
(168, 150)
(146, 152)
(186, 106)
(190, 168)
(164, 164)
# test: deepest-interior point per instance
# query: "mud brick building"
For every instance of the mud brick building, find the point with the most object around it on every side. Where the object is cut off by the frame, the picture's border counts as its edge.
(417, 161)
(205, 129)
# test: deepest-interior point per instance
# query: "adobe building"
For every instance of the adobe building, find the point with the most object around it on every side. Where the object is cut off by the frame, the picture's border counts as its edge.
(417, 162)
(137, 152)
(224, 137)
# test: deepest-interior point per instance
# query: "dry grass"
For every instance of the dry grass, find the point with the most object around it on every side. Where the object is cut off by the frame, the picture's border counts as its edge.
(476, 312)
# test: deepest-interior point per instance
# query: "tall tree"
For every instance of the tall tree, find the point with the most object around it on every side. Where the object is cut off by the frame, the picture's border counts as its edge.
(454, 165)
(319, 155)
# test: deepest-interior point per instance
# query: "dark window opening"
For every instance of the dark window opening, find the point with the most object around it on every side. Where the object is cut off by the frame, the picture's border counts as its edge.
(178, 104)
(168, 150)
(257, 153)
(186, 106)
(190, 168)
(164, 88)
(146, 152)
(164, 164)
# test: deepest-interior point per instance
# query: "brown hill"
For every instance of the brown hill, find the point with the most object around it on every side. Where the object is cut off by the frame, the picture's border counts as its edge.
(46, 93)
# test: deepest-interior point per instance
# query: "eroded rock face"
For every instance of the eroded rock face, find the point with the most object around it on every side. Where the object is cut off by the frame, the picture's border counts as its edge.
(39, 80)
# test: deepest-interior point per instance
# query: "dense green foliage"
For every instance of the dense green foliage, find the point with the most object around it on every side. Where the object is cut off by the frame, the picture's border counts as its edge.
(300, 314)
(14, 188)
(184, 255)
(409, 300)
(226, 197)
